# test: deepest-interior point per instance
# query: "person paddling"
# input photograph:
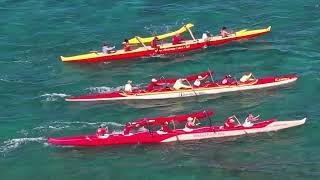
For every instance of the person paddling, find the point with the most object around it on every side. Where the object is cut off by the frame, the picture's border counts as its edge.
(126, 45)
(128, 86)
(154, 42)
(106, 49)
(229, 123)
(176, 39)
(197, 82)
(191, 123)
(179, 84)
(248, 121)
(101, 131)
(224, 32)
(227, 80)
(165, 128)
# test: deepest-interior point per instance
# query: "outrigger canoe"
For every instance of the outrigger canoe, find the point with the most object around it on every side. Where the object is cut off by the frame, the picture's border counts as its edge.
(150, 136)
(166, 48)
(163, 89)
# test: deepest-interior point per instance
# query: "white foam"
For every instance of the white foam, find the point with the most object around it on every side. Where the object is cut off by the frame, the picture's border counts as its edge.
(104, 89)
(12, 144)
(53, 96)
(58, 126)
(90, 123)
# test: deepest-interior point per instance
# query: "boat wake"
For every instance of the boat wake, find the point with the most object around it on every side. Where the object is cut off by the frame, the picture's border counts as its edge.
(11, 144)
(103, 89)
(53, 97)
(58, 126)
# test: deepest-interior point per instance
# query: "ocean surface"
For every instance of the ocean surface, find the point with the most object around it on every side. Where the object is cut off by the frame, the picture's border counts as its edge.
(34, 83)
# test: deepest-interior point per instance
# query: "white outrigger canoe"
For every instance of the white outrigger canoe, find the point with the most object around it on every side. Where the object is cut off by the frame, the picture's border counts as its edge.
(162, 89)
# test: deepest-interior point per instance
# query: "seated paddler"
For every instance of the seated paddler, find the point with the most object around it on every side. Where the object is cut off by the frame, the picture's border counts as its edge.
(152, 84)
(128, 86)
(230, 122)
(227, 80)
(191, 123)
(154, 42)
(206, 35)
(197, 82)
(126, 45)
(164, 127)
(106, 49)
(179, 84)
(247, 77)
(224, 32)
(101, 131)
(176, 39)
(248, 122)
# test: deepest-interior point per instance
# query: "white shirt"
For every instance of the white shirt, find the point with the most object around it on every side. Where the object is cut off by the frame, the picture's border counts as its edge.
(197, 83)
(128, 88)
(106, 49)
(204, 36)
(247, 123)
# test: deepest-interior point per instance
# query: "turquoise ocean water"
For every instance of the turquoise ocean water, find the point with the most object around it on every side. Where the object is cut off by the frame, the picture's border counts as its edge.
(33, 84)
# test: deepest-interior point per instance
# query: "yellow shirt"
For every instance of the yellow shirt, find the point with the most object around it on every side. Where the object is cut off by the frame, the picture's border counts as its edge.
(179, 85)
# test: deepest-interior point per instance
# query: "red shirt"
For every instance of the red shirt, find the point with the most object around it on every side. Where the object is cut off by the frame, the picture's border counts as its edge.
(228, 124)
(101, 131)
(151, 86)
(126, 47)
(154, 43)
(175, 40)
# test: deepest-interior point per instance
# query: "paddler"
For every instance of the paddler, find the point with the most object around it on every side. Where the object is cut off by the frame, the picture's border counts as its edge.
(165, 128)
(191, 123)
(227, 80)
(206, 35)
(101, 131)
(154, 42)
(106, 49)
(128, 86)
(179, 84)
(246, 77)
(224, 32)
(248, 121)
(176, 39)
(229, 123)
(197, 82)
(152, 84)
(126, 45)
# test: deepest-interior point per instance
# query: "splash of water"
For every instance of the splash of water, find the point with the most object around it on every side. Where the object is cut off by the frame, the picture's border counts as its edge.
(53, 96)
(11, 144)
(104, 89)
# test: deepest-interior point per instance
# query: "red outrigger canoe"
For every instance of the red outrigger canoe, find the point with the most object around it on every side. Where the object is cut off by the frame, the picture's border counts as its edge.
(162, 89)
(171, 135)
(166, 48)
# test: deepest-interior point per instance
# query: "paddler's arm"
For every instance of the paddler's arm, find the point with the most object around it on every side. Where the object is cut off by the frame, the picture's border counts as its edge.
(110, 48)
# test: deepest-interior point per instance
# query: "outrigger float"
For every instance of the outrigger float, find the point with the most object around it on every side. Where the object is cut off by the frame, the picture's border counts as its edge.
(163, 135)
(166, 48)
(163, 88)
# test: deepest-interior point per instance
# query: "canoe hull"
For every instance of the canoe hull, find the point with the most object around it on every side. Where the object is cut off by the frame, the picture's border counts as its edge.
(175, 135)
(214, 89)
